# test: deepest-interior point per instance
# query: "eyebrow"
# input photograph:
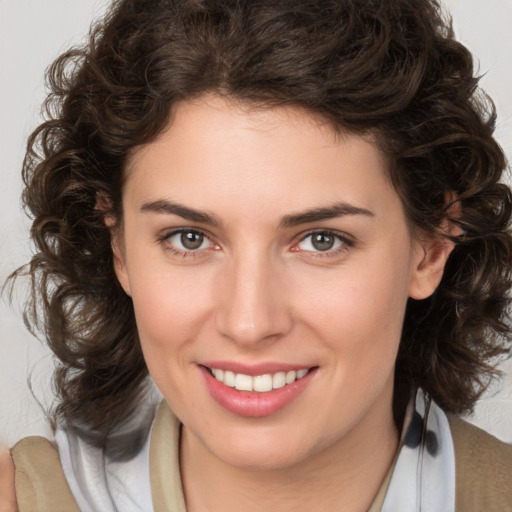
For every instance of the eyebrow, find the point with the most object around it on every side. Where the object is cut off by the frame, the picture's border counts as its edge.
(329, 212)
(168, 207)
(341, 209)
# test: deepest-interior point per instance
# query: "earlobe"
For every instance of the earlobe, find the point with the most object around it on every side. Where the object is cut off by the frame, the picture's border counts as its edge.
(120, 264)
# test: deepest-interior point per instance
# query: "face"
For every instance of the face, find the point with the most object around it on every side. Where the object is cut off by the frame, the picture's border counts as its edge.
(269, 262)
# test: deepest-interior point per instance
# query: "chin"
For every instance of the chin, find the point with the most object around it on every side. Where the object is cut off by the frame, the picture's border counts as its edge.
(257, 459)
(261, 449)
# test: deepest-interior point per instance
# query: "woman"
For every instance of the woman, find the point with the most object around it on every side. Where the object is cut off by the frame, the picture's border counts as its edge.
(289, 215)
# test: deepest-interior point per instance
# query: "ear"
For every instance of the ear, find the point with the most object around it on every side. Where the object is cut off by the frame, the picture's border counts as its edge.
(104, 205)
(430, 258)
(120, 267)
(430, 255)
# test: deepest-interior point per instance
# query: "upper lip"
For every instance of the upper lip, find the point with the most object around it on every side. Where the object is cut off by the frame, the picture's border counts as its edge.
(255, 369)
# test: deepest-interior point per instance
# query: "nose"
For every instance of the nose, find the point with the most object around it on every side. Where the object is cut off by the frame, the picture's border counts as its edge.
(252, 305)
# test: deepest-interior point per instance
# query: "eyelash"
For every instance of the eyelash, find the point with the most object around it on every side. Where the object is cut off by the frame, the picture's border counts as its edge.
(164, 240)
(345, 243)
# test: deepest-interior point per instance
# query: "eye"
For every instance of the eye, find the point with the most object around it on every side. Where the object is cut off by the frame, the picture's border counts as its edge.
(188, 240)
(322, 241)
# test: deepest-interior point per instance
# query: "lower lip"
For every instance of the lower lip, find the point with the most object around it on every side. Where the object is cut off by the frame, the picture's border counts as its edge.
(254, 404)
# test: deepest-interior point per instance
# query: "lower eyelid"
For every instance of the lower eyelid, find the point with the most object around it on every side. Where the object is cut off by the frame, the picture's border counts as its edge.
(165, 241)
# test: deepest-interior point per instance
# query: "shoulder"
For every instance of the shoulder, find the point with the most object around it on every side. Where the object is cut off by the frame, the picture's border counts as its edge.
(166, 487)
(7, 494)
(72, 473)
(483, 469)
(39, 479)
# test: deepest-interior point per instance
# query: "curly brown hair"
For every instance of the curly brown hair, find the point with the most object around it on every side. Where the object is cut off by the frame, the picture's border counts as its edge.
(389, 68)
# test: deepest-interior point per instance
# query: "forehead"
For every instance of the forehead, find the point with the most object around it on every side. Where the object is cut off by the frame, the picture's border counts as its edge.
(215, 149)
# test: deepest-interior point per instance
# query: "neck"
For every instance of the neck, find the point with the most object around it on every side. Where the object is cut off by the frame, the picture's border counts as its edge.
(345, 476)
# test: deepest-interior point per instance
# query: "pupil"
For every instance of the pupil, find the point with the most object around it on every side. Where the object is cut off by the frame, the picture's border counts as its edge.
(191, 240)
(323, 242)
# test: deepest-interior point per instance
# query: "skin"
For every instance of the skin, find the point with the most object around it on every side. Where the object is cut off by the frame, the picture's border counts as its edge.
(258, 291)
(7, 493)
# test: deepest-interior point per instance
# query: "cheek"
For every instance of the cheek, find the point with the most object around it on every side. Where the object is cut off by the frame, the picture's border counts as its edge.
(169, 317)
(359, 311)
(169, 309)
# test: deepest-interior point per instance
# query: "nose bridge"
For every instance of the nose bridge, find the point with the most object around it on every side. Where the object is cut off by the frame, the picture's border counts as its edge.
(252, 307)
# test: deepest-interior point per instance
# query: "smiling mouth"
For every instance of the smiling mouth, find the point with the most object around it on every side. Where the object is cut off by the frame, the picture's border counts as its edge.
(258, 383)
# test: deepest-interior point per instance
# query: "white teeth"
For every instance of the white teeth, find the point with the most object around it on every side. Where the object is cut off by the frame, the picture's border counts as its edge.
(290, 377)
(243, 382)
(219, 374)
(258, 383)
(229, 379)
(262, 383)
(279, 380)
(301, 373)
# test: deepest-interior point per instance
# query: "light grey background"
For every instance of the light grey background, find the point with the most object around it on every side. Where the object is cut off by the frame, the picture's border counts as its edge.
(32, 34)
